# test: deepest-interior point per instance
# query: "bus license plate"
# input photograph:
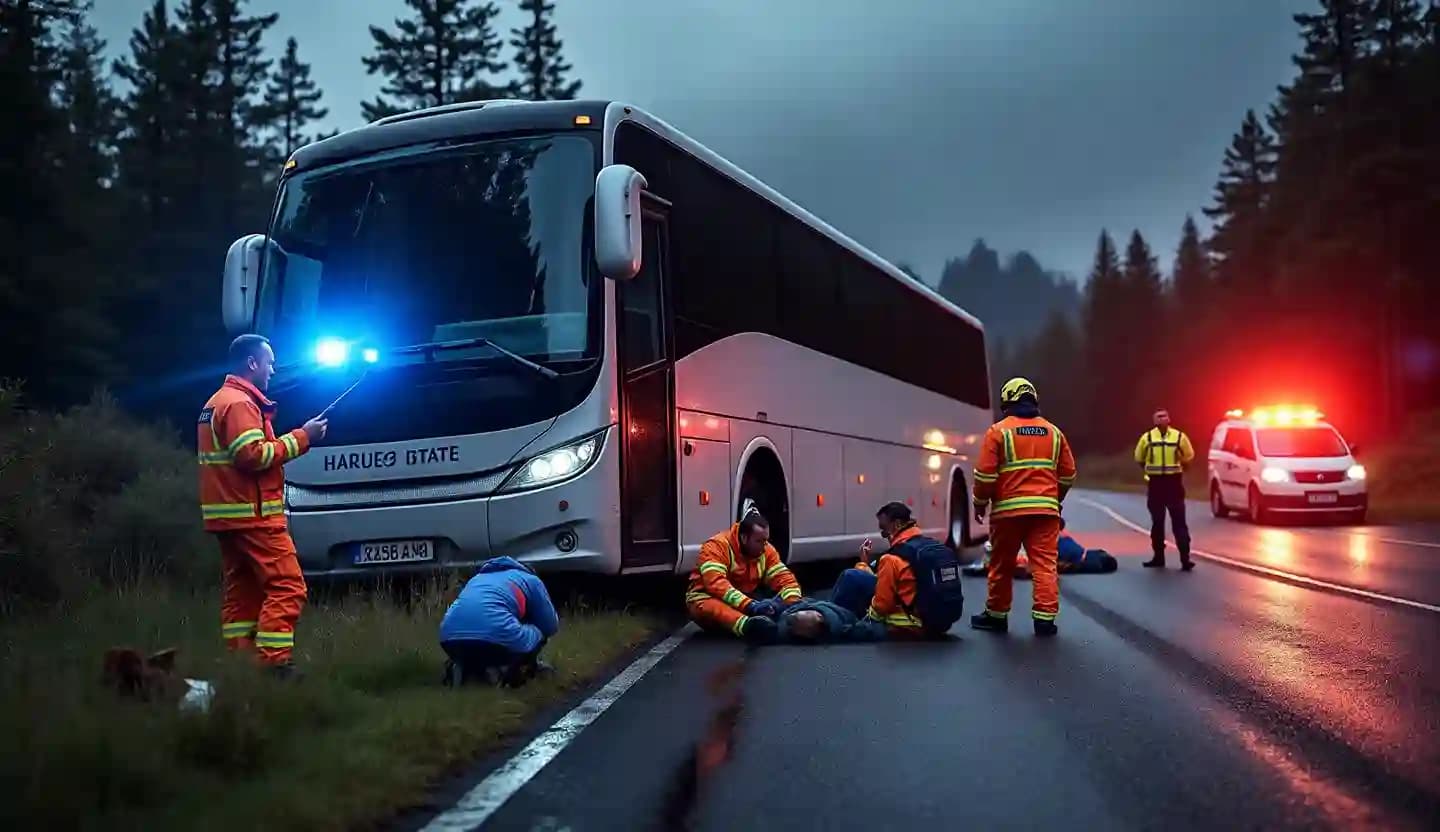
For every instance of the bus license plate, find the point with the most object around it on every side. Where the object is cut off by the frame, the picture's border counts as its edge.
(1323, 498)
(394, 551)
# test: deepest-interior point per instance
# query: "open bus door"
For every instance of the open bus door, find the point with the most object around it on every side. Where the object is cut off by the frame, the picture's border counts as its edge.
(648, 520)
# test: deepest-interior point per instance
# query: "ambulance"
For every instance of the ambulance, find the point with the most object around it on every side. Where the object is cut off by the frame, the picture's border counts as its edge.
(1284, 460)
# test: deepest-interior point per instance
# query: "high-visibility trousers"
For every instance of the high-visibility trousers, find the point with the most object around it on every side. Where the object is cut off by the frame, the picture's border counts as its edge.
(1040, 535)
(717, 616)
(262, 592)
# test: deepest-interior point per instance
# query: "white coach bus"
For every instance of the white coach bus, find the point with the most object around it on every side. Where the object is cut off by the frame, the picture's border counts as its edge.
(572, 335)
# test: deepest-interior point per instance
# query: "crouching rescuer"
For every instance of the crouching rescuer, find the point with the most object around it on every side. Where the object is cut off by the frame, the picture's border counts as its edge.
(494, 631)
(1025, 470)
(731, 569)
(242, 487)
(912, 590)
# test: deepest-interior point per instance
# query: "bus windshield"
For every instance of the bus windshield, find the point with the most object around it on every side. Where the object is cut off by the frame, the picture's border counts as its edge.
(483, 241)
(1301, 442)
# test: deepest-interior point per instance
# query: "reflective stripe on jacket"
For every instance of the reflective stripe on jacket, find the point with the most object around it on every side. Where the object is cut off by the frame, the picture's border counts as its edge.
(242, 483)
(1164, 453)
(1025, 467)
(894, 588)
(722, 573)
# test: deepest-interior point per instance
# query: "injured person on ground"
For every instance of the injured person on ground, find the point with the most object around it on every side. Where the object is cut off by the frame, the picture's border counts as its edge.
(1074, 559)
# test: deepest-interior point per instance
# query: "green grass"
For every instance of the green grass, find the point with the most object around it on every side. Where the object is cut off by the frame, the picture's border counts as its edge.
(362, 736)
(1403, 477)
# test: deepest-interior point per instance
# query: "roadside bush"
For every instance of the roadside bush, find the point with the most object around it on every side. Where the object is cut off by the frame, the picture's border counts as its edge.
(92, 497)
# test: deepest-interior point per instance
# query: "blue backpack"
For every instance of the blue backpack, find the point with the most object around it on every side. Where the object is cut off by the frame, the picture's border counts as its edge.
(939, 600)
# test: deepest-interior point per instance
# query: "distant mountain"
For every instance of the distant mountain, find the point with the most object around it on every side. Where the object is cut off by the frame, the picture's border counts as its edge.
(1013, 300)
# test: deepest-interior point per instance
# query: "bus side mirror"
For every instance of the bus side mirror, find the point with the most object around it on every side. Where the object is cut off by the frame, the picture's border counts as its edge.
(618, 244)
(242, 280)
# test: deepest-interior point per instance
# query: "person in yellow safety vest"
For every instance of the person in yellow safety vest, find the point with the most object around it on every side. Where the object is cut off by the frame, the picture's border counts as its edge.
(1163, 453)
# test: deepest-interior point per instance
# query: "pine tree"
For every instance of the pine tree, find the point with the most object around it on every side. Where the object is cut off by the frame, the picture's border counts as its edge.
(1398, 30)
(1107, 334)
(151, 113)
(1335, 41)
(537, 56)
(90, 108)
(1241, 198)
(1190, 280)
(443, 54)
(292, 102)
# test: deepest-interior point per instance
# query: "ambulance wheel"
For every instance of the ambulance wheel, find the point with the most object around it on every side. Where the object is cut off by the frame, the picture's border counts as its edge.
(1258, 514)
(1217, 502)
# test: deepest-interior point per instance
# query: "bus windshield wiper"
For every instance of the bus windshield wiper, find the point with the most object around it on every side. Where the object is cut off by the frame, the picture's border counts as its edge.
(429, 350)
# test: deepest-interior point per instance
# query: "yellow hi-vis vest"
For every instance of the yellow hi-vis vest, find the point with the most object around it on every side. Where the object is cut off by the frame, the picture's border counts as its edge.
(1163, 453)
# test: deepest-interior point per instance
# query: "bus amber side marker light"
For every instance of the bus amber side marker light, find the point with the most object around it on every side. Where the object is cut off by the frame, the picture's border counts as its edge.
(704, 498)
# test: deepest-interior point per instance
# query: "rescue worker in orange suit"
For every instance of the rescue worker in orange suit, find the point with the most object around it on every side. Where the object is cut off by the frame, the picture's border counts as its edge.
(1164, 453)
(891, 579)
(731, 568)
(1026, 468)
(242, 503)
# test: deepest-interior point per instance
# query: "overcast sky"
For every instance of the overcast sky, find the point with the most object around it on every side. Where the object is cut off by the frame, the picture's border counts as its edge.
(914, 126)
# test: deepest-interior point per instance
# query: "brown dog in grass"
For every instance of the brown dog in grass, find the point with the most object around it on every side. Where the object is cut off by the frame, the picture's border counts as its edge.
(150, 679)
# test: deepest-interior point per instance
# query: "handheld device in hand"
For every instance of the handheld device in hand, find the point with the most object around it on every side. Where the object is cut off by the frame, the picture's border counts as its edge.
(341, 397)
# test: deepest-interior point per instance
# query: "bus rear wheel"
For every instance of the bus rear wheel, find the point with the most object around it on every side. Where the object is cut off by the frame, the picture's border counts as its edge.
(764, 482)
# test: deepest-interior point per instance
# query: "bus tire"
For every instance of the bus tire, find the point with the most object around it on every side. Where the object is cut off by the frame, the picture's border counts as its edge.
(958, 536)
(764, 482)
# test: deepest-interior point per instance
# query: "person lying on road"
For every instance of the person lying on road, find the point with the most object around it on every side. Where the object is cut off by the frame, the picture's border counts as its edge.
(494, 631)
(1073, 559)
(732, 567)
(812, 621)
(1076, 559)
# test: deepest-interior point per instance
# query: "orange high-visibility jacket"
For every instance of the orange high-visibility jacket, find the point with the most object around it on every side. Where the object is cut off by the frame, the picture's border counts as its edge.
(722, 572)
(894, 587)
(242, 484)
(1025, 467)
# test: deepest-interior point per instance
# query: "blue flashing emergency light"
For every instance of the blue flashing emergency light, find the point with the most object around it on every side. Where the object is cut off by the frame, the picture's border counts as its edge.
(370, 355)
(331, 352)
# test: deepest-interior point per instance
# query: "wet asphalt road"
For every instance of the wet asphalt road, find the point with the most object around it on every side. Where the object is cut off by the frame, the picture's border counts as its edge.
(1218, 699)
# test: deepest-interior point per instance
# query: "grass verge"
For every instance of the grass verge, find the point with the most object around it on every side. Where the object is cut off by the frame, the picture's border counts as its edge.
(362, 736)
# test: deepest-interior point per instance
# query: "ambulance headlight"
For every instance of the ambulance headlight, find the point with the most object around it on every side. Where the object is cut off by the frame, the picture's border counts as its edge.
(554, 466)
(1356, 473)
(1275, 475)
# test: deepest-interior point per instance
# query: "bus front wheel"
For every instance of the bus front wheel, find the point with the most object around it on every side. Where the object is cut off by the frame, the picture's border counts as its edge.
(764, 482)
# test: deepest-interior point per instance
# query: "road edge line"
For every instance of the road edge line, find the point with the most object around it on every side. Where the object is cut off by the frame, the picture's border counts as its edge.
(486, 798)
(1265, 570)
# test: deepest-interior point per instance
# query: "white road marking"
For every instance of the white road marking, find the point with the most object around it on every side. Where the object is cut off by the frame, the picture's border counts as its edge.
(485, 799)
(1265, 570)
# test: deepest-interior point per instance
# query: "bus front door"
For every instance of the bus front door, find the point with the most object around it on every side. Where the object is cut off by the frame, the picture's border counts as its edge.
(647, 463)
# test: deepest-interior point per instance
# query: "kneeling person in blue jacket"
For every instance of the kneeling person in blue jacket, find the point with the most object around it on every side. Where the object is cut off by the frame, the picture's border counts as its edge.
(495, 630)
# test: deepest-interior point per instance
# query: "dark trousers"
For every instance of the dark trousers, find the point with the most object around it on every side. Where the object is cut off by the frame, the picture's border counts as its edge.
(473, 660)
(1167, 493)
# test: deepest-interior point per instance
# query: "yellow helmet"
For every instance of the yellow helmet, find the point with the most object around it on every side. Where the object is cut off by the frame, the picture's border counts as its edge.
(1014, 389)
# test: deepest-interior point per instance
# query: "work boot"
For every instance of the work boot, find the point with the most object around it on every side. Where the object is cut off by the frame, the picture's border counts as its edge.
(285, 672)
(760, 630)
(1045, 628)
(1186, 564)
(1157, 562)
(990, 623)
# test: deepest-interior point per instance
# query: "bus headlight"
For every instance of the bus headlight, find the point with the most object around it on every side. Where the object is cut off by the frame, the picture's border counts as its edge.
(561, 464)
(1356, 472)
